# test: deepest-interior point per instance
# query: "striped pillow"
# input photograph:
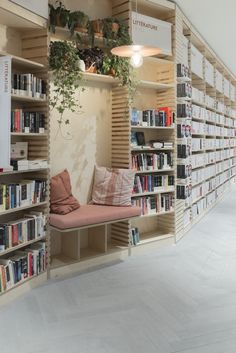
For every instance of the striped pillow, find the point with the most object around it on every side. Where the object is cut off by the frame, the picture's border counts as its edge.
(112, 187)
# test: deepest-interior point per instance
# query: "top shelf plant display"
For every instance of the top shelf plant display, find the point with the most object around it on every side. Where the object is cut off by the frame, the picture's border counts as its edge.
(76, 25)
(82, 33)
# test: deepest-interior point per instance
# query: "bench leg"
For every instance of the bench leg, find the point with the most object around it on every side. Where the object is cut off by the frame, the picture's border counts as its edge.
(71, 244)
(97, 238)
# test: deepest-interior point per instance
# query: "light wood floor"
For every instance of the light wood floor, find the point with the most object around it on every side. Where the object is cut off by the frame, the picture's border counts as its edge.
(179, 299)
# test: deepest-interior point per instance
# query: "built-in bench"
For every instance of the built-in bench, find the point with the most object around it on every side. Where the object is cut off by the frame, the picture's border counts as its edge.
(86, 217)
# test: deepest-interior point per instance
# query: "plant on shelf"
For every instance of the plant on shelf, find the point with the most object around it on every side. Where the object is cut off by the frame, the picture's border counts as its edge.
(67, 76)
(115, 32)
(58, 16)
(92, 57)
(78, 21)
(120, 68)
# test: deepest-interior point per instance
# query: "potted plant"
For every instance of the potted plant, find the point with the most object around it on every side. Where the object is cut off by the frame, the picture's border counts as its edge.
(120, 68)
(123, 36)
(92, 57)
(97, 27)
(78, 21)
(110, 27)
(67, 76)
(58, 16)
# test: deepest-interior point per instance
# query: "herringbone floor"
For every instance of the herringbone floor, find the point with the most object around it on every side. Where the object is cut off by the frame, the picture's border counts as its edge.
(179, 299)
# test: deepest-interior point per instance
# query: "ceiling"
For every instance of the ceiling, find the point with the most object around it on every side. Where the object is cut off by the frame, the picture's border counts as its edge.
(215, 21)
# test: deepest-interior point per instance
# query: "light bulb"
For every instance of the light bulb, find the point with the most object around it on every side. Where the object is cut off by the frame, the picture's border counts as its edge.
(136, 59)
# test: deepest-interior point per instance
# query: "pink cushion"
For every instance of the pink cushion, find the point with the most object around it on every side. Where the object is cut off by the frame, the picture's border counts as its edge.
(112, 186)
(61, 199)
(92, 214)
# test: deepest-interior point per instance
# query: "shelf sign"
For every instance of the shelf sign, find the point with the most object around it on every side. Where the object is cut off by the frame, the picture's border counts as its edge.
(150, 31)
(5, 111)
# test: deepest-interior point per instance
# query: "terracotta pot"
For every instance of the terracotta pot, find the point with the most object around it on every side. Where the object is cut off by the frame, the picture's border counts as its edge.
(97, 27)
(81, 29)
(115, 27)
(112, 72)
(92, 69)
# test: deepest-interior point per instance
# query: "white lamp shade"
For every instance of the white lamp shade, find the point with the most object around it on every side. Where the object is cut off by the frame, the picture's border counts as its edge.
(128, 51)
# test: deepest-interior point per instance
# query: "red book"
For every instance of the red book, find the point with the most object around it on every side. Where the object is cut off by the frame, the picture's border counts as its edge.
(30, 264)
(14, 235)
(168, 112)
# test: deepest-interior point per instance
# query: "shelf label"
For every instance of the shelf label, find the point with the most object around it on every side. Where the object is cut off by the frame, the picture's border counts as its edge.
(5, 111)
(151, 32)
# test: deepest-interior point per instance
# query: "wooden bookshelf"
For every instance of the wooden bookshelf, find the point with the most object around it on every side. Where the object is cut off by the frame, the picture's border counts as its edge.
(26, 99)
(22, 245)
(156, 89)
(31, 57)
(17, 209)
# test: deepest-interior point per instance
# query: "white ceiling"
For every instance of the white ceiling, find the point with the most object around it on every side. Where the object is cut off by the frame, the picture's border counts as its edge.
(215, 21)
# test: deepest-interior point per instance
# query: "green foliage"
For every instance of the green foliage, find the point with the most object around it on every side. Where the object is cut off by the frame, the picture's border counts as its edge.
(63, 61)
(58, 16)
(115, 32)
(120, 68)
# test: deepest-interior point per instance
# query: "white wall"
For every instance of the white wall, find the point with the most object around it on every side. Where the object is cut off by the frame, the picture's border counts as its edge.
(215, 20)
(38, 7)
(91, 128)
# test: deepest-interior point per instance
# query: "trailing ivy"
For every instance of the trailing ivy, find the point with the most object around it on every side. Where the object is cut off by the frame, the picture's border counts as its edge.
(67, 76)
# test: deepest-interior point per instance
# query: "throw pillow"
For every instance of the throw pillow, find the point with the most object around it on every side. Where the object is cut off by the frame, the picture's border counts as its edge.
(62, 200)
(112, 186)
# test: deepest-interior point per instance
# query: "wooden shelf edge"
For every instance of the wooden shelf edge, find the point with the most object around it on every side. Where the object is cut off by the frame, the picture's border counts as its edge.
(7, 251)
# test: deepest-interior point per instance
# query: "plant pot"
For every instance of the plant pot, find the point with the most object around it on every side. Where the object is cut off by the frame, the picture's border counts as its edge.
(111, 72)
(92, 69)
(115, 27)
(97, 26)
(81, 29)
(61, 19)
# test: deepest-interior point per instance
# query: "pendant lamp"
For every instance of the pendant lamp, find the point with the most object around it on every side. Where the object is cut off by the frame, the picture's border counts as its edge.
(135, 52)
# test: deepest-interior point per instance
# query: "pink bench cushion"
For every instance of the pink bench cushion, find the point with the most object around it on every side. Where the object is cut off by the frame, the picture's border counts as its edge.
(88, 215)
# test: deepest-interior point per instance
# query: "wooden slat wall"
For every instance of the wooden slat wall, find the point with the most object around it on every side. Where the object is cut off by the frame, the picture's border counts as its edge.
(120, 152)
(35, 46)
(120, 232)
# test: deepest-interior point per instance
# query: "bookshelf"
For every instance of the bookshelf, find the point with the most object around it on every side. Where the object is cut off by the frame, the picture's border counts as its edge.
(24, 232)
(212, 122)
(156, 89)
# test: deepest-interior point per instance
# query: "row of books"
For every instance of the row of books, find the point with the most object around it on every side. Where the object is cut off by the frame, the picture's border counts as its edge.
(184, 171)
(155, 204)
(152, 183)
(23, 193)
(20, 231)
(163, 117)
(22, 265)
(184, 150)
(183, 192)
(152, 161)
(28, 85)
(135, 236)
(183, 71)
(27, 122)
(184, 90)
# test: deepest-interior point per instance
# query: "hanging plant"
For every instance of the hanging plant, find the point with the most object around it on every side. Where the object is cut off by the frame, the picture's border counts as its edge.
(120, 68)
(67, 76)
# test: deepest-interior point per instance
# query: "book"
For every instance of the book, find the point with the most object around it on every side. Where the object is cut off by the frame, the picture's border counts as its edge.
(140, 138)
